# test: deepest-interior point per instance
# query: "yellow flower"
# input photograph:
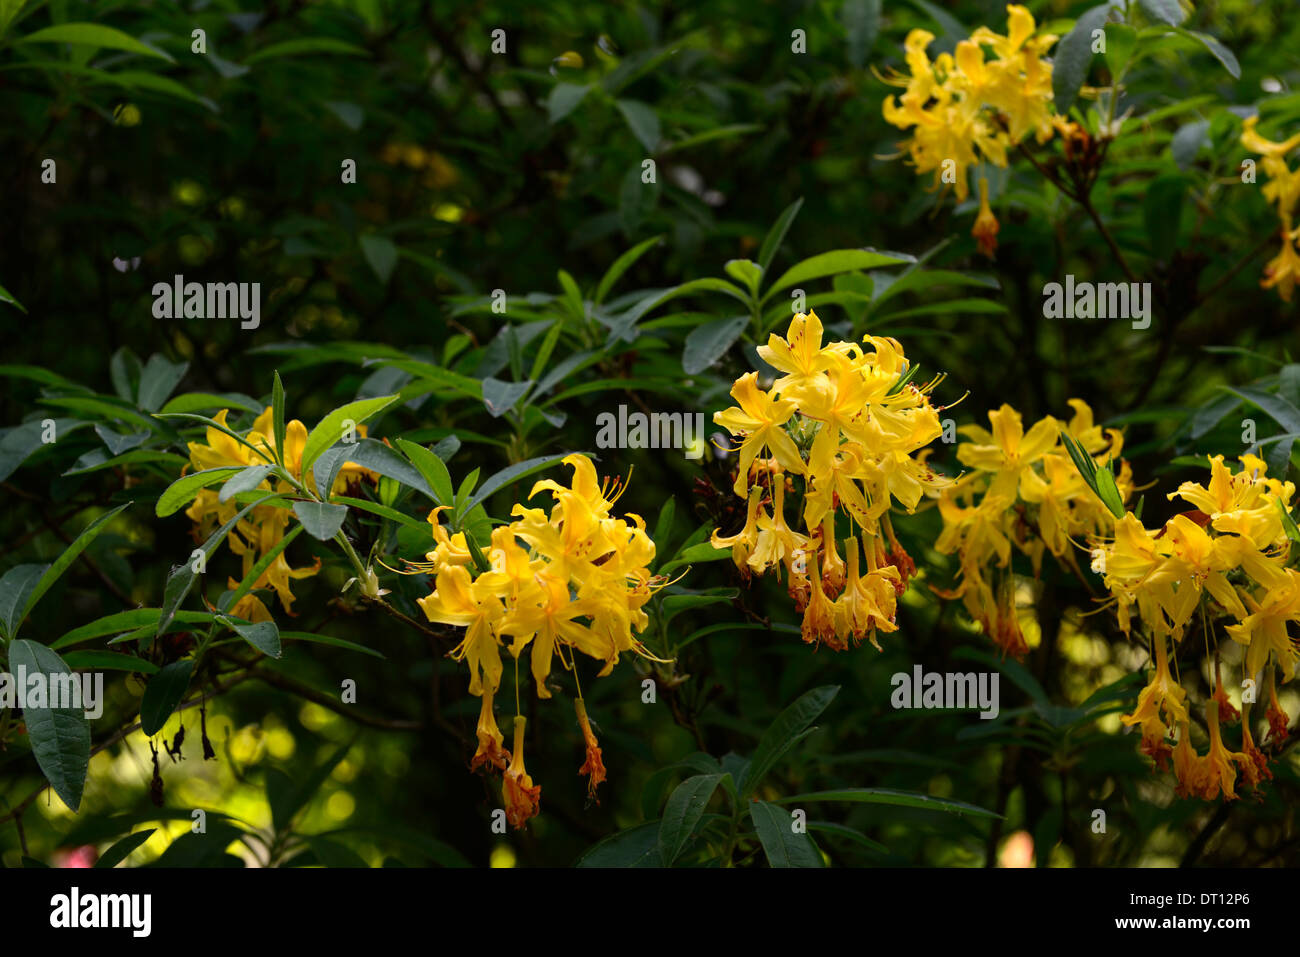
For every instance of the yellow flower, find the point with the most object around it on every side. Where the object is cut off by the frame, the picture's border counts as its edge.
(1162, 694)
(490, 739)
(1206, 776)
(1008, 449)
(522, 797)
(1283, 270)
(1264, 631)
(963, 108)
(593, 766)
(459, 601)
(985, 230)
(759, 419)
(800, 355)
(549, 621)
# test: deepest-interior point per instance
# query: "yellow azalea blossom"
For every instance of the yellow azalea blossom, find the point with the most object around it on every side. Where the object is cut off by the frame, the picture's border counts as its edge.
(1282, 189)
(964, 108)
(522, 797)
(1283, 270)
(985, 229)
(1024, 493)
(1162, 695)
(549, 621)
(800, 355)
(1264, 630)
(458, 601)
(593, 767)
(1209, 775)
(558, 583)
(760, 419)
(490, 740)
(846, 432)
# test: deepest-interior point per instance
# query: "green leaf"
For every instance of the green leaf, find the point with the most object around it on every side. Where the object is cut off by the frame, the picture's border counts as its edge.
(1072, 56)
(642, 121)
(621, 265)
(126, 621)
(1121, 41)
(564, 99)
(1279, 409)
(157, 380)
(432, 468)
(861, 19)
(6, 296)
(1220, 52)
(381, 254)
(244, 480)
(120, 851)
(745, 272)
(830, 263)
(201, 850)
(304, 46)
(1190, 139)
(334, 425)
(1165, 11)
(784, 732)
(93, 35)
(682, 814)
(783, 847)
(286, 803)
(329, 640)
(1108, 492)
(321, 521)
(776, 235)
(892, 797)
(511, 474)
(378, 457)
(636, 847)
(163, 693)
(853, 834)
(16, 587)
(277, 416)
(500, 397)
(184, 489)
(264, 636)
(953, 28)
(664, 523)
(333, 854)
(181, 578)
(60, 737)
(69, 555)
(102, 406)
(674, 605)
(708, 343)
(711, 134)
(1288, 523)
(108, 661)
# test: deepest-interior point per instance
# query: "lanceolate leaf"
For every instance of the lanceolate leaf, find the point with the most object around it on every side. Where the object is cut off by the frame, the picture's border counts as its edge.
(60, 737)
(784, 732)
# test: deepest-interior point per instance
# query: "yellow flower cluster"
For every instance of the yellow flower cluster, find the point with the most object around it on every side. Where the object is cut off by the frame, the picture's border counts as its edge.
(1227, 557)
(839, 430)
(578, 583)
(964, 107)
(262, 528)
(1022, 490)
(1283, 191)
